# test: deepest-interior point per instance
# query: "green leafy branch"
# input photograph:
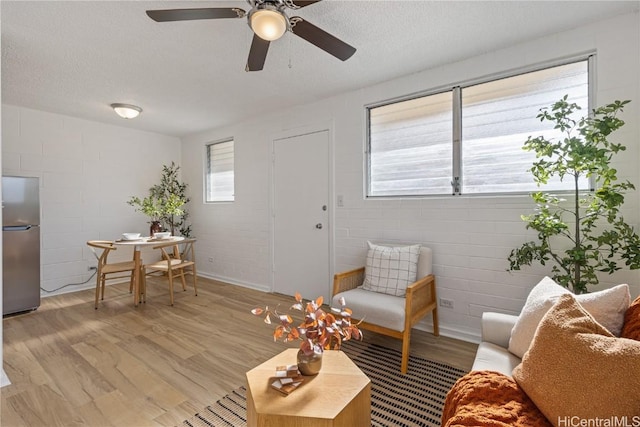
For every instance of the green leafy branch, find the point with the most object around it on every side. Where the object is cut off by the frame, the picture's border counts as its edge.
(598, 237)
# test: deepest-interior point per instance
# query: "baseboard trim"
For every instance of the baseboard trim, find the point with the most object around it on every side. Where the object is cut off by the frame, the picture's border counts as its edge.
(235, 282)
(224, 279)
(450, 332)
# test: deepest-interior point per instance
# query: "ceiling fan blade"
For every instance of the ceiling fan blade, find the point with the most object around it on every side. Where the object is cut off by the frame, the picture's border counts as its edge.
(191, 14)
(257, 54)
(297, 4)
(321, 38)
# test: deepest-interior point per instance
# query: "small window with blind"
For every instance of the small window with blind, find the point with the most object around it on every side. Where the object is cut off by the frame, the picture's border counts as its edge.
(219, 178)
(468, 140)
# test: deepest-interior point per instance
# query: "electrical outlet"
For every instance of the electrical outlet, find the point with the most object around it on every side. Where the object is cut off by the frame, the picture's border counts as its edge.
(446, 303)
(92, 268)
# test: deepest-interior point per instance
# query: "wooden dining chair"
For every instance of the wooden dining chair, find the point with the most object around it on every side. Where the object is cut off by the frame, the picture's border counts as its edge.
(174, 262)
(108, 269)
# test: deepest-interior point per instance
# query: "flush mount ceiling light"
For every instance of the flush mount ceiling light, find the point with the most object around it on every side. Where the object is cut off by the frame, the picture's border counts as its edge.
(126, 111)
(268, 22)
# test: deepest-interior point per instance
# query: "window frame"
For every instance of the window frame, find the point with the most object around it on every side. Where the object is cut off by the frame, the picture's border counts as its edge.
(207, 170)
(456, 93)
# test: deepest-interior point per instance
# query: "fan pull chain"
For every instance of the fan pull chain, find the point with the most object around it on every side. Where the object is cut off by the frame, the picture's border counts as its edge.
(290, 65)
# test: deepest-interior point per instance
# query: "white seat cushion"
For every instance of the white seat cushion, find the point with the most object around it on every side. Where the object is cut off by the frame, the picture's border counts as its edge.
(374, 307)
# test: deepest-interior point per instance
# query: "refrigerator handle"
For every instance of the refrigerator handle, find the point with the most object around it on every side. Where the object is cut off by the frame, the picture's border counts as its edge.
(16, 227)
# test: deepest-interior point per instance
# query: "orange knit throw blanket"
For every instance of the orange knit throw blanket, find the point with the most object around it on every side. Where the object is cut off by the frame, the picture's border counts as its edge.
(488, 398)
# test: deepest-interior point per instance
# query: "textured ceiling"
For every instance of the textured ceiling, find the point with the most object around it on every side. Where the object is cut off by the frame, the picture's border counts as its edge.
(77, 57)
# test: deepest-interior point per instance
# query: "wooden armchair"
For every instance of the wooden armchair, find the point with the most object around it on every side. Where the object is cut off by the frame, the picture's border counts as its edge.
(174, 262)
(387, 314)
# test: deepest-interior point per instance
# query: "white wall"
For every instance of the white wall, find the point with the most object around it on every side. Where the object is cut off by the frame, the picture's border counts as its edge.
(87, 172)
(471, 236)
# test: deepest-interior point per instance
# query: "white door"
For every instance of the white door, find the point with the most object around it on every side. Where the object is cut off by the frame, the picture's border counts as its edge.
(301, 215)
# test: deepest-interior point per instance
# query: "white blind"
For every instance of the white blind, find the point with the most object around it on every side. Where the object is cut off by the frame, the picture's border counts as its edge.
(410, 143)
(410, 147)
(499, 116)
(220, 172)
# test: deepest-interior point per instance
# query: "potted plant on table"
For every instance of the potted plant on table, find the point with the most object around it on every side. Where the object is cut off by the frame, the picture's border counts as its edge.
(156, 208)
(151, 207)
(318, 330)
(596, 236)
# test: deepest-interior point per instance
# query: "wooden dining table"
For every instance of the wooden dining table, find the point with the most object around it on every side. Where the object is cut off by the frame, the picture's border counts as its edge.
(138, 244)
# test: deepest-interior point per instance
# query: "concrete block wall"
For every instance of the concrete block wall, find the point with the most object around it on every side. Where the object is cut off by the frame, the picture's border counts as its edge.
(87, 172)
(471, 236)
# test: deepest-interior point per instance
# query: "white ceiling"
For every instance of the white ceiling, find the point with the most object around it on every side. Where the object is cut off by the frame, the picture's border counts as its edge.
(77, 57)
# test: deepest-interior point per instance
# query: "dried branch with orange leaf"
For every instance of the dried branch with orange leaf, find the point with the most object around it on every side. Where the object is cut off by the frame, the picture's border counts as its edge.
(318, 331)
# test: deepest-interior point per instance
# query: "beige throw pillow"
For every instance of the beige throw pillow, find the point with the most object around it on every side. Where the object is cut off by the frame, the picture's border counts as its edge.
(607, 307)
(390, 269)
(576, 371)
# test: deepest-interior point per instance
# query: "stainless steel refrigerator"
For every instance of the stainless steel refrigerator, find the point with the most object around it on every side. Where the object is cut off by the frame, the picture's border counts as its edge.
(20, 244)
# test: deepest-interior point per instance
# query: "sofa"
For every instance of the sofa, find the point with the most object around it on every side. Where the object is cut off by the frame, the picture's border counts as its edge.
(574, 371)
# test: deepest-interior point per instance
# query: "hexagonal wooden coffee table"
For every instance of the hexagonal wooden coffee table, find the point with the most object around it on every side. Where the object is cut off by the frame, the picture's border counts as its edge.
(339, 396)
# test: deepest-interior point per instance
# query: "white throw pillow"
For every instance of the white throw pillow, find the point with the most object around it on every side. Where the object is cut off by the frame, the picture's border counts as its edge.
(607, 307)
(390, 269)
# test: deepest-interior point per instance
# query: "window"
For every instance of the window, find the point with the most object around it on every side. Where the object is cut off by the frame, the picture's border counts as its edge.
(219, 185)
(411, 147)
(468, 140)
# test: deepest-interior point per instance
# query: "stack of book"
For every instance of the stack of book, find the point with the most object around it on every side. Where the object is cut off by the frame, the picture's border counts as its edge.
(287, 379)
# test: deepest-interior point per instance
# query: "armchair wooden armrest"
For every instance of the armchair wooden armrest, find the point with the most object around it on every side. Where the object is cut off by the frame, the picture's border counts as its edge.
(347, 280)
(420, 300)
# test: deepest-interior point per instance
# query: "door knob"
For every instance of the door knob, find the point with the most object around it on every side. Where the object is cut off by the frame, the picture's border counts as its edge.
(319, 226)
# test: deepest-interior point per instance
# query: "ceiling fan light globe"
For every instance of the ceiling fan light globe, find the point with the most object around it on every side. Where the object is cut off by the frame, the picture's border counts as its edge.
(268, 24)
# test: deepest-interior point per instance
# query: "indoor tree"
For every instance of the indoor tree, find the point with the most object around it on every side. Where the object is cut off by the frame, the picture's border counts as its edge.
(587, 233)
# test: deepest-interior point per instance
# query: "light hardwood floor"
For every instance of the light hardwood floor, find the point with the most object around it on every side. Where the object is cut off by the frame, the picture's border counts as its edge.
(155, 365)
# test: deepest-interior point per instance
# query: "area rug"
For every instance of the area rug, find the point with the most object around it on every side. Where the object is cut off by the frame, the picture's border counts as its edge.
(411, 400)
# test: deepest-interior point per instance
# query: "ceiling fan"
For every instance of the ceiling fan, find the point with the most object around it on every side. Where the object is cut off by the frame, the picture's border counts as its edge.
(268, 21)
